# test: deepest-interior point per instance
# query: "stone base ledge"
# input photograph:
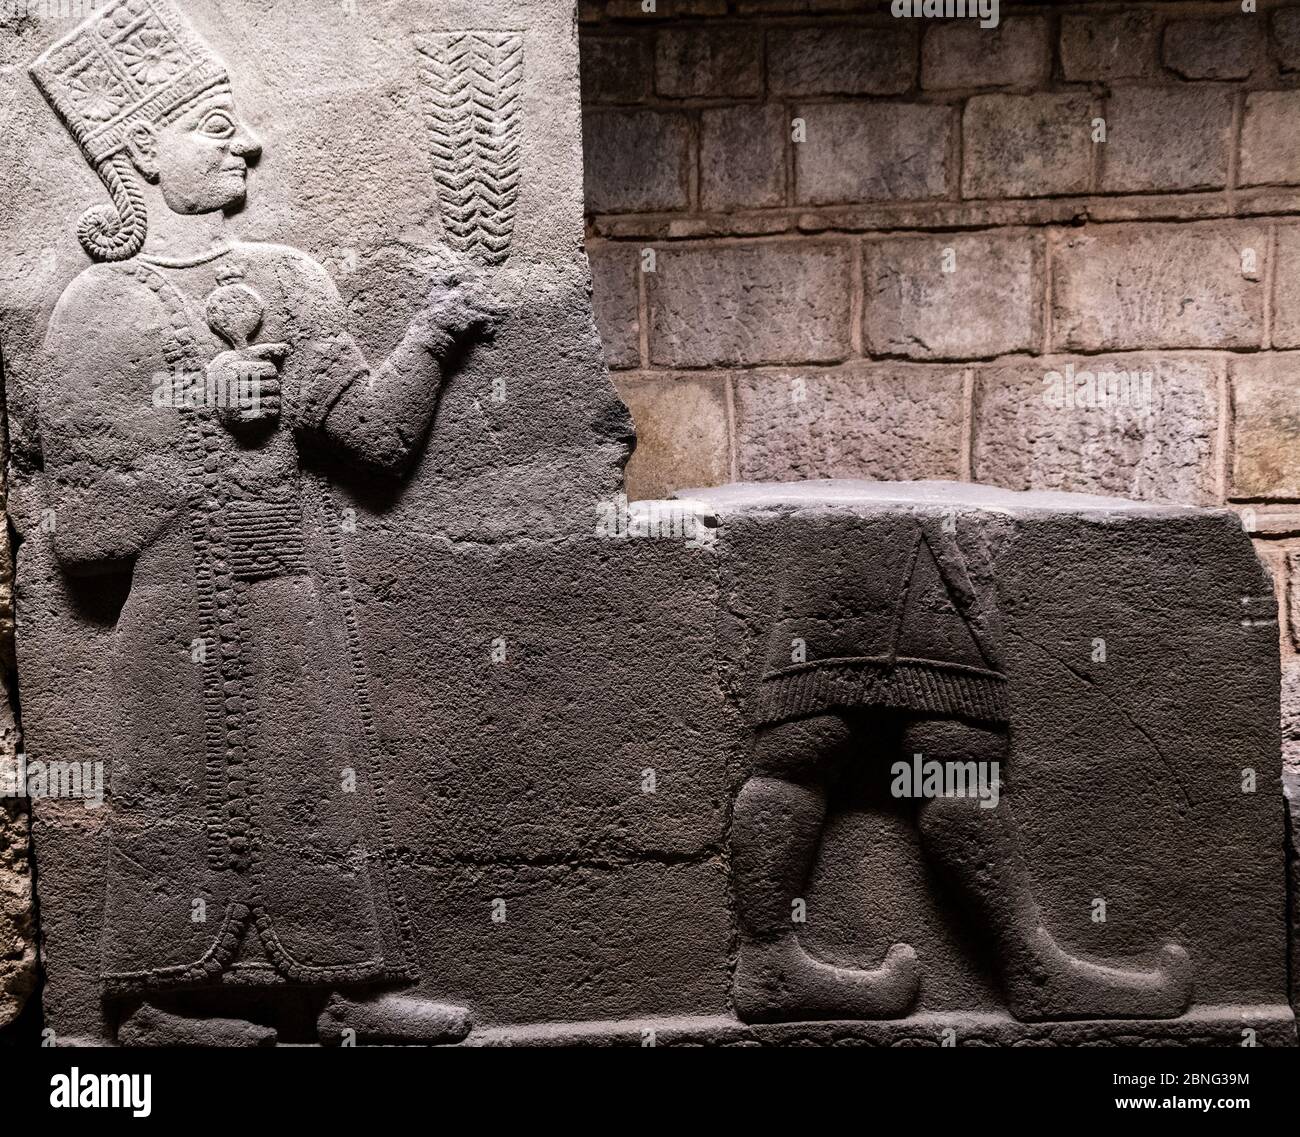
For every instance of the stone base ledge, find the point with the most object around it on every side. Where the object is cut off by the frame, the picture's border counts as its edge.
(1274, 1025)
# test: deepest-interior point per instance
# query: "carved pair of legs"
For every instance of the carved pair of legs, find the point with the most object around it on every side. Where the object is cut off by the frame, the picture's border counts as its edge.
(776, 832)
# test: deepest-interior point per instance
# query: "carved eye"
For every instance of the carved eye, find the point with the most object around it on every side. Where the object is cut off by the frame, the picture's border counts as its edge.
(218, 125)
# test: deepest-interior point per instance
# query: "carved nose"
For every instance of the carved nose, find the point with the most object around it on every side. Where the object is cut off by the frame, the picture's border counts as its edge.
(246, 145)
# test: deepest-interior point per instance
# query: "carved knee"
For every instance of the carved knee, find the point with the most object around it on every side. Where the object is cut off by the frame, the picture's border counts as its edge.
(961, 772)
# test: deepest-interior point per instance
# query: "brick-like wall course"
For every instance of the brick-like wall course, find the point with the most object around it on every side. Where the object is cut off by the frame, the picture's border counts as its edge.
(961, 54)
(746, 304)
(683, 429)
(840, 59)
(861, 420)
(636, 160)
(874, 151)
(1110, 46)
(1130, 287)
(742, 157)
(615, 293)
(1138, 425)
(1027, 145)
(954, 296)
(1166, 139)
(714, 62)
(1270, 139)
(1165, 244)
(1228, 47)
(1266, 421)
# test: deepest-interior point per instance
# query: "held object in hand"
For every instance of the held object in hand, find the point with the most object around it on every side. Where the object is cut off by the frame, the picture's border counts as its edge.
(234, 312)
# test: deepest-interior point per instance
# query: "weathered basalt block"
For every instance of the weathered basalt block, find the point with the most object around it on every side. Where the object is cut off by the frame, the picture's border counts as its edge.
(862, 618)
(380, 715)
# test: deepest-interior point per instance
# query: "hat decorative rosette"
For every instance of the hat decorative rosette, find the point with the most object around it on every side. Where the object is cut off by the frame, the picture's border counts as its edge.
(132, 62)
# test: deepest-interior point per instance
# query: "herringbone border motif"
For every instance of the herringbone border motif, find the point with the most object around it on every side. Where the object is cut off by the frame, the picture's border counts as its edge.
(473, 105)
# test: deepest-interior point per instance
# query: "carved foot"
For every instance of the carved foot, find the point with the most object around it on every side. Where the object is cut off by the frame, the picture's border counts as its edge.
(392, 1020)
(779, 981)
(1059, 986)
(149, 1026)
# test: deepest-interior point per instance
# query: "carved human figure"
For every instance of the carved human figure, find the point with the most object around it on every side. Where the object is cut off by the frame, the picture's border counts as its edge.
(897, 652)
(191, 384)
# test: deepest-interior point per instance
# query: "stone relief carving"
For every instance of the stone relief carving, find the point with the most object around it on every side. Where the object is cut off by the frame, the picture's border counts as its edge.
(321, 787)
(473, 91)
(897, 641)
(195, 395)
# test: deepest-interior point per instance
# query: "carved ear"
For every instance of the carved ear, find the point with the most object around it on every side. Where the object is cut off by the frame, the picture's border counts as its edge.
(142, 142)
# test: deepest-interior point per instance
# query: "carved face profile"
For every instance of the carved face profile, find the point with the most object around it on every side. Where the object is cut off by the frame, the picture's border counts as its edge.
(143, 95)
(200, 159)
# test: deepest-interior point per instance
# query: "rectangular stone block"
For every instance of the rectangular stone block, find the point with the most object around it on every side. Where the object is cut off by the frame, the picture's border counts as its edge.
(635, 161)
(1017, 53)
(683, 433)
(1137, 687)
(1159, 286)
(1270, 139)
(391, 677)
(1026, 145)
(1230, 47)
(18, 947)
(1286, 296)
(615, 69)
(1286, 37)
(709, 62)
(742, 157)
(1265, 425)
(614, 295)
(952, 296)
(1165, 138)
(1139, 426)
(840, 59)
(862, 420)
(873, 152)
(1103, 46)
(746, 304)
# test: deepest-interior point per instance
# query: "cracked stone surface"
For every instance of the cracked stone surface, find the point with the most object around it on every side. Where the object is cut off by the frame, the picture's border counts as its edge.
(394, 693)
(1097, 595)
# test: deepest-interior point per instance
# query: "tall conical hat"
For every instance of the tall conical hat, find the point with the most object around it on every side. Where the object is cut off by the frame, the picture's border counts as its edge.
(132, 61)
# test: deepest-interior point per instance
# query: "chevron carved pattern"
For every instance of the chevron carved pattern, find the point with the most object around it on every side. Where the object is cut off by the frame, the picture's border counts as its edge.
(472, 86)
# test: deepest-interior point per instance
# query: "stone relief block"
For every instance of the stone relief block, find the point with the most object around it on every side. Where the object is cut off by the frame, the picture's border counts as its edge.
(881, 611)
(410, 729)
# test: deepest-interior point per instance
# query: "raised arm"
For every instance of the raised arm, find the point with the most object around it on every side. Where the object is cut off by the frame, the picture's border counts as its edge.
(380, 414)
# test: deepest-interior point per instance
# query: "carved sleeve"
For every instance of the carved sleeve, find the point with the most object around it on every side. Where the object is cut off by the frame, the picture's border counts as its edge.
(113, 471)
(377, 414)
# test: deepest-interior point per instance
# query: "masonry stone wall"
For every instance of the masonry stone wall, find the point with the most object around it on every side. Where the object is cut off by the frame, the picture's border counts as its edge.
(826, 242)
(1062, 253)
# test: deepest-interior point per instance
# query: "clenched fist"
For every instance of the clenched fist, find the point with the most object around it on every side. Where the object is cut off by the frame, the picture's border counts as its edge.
(246, 381)
(462, 303)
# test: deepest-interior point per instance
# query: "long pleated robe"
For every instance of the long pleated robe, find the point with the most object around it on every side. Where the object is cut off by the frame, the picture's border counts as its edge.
(249, 837)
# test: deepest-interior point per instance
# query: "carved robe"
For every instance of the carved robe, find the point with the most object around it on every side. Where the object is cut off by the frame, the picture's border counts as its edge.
(249, 840)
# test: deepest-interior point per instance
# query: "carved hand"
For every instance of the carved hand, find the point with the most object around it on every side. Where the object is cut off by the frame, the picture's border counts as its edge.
(463, 304)
(246, 384)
